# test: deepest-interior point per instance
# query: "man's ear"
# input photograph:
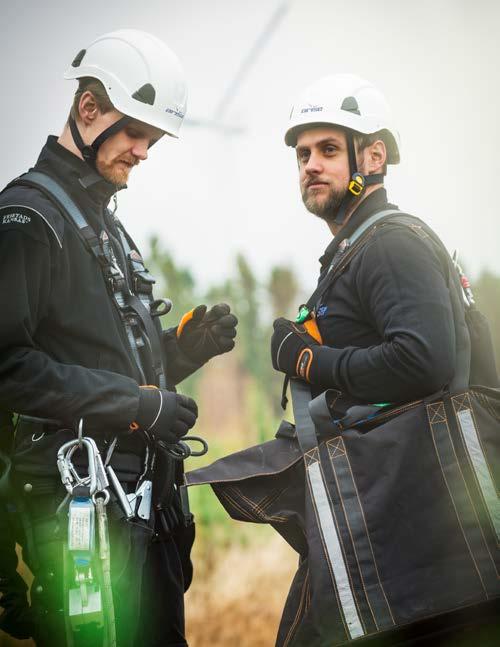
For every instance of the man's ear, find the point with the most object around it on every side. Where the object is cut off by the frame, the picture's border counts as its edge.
(88, 109)
(375, 157)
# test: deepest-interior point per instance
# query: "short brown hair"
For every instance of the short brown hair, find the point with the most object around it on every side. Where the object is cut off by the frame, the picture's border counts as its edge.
(89, 84)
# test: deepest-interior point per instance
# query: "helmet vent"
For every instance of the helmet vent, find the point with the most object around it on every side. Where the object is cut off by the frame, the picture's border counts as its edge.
(349, 104)
(78, 58)
(146, 94)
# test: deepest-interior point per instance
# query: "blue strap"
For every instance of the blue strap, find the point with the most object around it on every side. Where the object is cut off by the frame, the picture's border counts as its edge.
(371, 221)
(55, 190)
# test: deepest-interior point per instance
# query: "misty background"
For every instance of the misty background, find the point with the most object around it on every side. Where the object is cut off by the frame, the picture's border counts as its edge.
(218, 213)
(217, 192)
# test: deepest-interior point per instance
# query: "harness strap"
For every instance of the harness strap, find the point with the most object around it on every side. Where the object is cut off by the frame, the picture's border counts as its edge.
(143, 282)
(356, 242)
(341, 253)
(123, 297)
(304, 425)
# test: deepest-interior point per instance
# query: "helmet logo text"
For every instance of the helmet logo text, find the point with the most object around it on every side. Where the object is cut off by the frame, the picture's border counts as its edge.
(311, 108)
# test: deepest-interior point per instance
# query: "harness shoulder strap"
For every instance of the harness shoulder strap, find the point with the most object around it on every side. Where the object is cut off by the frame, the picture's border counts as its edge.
(57, 194)
(372, 220)
(357, 241)
(365, 228)
(125, 299)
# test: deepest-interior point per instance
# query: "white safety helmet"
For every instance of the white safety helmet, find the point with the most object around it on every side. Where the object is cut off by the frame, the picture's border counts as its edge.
(142, 76)
(345, 100)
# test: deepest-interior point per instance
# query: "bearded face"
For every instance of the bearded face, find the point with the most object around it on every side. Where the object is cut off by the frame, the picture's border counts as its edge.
(324, 170)
(322, 199)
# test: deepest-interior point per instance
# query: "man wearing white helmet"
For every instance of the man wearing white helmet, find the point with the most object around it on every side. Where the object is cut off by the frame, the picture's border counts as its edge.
(80, 342)
(385, 321)
(384, 326)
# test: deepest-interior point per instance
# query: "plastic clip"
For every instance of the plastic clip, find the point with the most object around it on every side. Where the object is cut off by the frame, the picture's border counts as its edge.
(357, 184)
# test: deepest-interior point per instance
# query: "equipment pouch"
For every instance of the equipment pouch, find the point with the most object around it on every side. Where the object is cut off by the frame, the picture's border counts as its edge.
(396, 518)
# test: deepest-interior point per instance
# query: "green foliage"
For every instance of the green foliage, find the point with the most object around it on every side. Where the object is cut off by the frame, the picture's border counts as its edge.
(175, 281)
(487, 295)
(283, 289)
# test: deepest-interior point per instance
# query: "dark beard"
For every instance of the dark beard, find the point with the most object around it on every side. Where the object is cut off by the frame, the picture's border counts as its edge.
(327, 211)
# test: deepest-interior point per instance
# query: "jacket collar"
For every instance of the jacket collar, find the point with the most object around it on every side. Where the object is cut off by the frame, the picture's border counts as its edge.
(72, 170)
(376, 201)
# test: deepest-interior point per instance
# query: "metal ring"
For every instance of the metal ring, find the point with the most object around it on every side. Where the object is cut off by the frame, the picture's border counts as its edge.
(203, 443)
(101, 493)
(35, 440)
(179, 452)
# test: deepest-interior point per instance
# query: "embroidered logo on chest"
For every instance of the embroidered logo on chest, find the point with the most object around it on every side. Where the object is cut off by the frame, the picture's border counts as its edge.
(15, 217)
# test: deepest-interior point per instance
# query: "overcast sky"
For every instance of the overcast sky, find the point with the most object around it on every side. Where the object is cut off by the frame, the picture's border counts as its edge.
(210, 195)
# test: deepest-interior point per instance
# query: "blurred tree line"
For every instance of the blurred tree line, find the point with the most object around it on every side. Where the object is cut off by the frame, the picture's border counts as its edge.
(257, 304)
(487, 293)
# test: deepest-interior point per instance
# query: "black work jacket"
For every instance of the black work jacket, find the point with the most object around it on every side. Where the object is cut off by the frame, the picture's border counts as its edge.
(64, 352)
(387, 321)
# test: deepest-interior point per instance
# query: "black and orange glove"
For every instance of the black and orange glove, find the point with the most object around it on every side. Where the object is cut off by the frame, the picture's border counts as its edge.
(202, 335)
(293, 348)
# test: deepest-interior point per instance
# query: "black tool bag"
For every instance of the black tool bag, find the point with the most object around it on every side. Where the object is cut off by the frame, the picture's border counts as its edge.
(394, 511)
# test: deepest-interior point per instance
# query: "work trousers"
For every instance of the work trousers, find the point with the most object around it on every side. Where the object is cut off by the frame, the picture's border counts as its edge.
(150, 570)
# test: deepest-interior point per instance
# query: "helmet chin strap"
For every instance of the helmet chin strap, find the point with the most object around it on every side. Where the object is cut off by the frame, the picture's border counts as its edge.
(89, 151)
(357, 183)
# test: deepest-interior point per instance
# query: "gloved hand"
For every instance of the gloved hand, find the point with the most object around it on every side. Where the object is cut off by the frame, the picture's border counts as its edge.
(292, 349)
(167, 415)
(201, 335)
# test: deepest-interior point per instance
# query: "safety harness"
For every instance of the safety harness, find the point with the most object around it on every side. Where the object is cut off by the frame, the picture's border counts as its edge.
(138, 310)
(130, 285)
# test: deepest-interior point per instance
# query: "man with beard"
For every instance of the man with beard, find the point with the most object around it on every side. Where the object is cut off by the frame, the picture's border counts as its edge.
(386, 327)
(379, 329)
(81, 346)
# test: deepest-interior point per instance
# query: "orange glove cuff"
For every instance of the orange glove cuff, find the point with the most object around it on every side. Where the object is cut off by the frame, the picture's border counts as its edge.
(185, 319)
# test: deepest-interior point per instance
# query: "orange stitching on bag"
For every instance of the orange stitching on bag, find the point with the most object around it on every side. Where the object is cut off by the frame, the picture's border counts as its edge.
(482, 399)
(341, 544)
(438, 412)
(454, 506)
(271, 498)
(396, 412)
(259, 514)
(461, 401)
(266, 501)
(236, 506)
(352, 542)
(367, 535)
(352, 539)
(244, 478)
(327, 559)
(334, 401)
(299, 613)
(335, 447)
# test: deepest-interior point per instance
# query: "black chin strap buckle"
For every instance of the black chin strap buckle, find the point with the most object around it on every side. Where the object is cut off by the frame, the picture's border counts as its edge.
(357, 184)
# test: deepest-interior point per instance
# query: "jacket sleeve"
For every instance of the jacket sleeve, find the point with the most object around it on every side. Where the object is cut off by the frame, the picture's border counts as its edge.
(403, 292)
(32, 382)
(179, 366)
